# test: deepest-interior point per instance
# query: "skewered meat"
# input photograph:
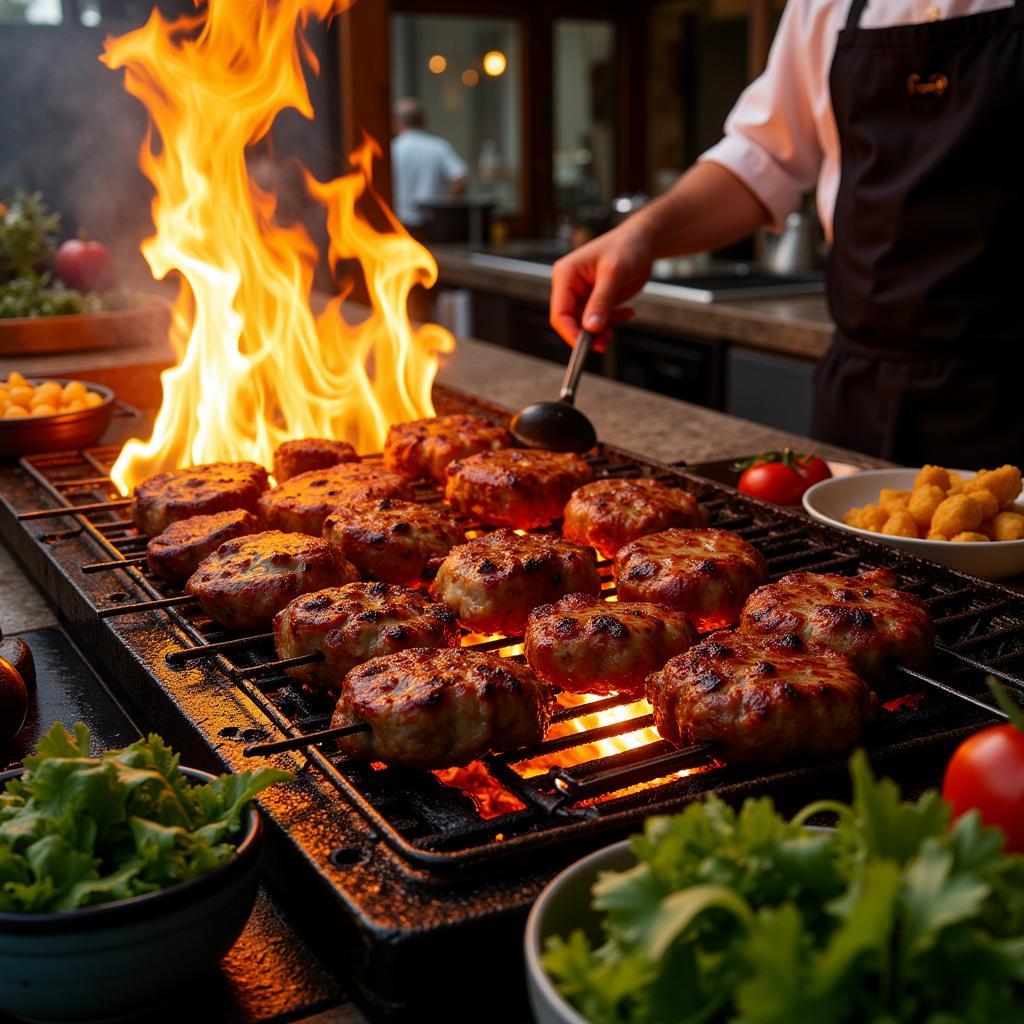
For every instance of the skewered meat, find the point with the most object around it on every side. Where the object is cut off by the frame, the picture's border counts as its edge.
(247, 581)
(394, 541)
(706, 573)
(198, 490)
(423, 448)
(607, 514)
(176, 553)
(764, 699)
(301, 504)
(352, 624)
(863, 617)
(515, 487)
(295, 457)
(493, 581)
(588, 645)
(441, 708)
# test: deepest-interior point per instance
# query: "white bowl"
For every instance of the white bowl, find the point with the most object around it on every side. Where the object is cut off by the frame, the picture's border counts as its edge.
(830, 500)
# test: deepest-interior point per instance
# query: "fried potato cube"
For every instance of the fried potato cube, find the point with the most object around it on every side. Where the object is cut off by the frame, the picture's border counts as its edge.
(21, 396)
(42, 409)
(969, 537)
(959, 513)
(74, 391)
(870, 517)
(956, 484)
(987, 500)
(16, 380)
(92, 399)
(935, 475)
(900, 524)
(13, 412)
(48, 393)
(924, 500)
(1008, 526)
(935, 535)
(1004, 483)
(891, 499)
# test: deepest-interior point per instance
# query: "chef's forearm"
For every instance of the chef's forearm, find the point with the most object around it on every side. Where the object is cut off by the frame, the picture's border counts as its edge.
(708, 207)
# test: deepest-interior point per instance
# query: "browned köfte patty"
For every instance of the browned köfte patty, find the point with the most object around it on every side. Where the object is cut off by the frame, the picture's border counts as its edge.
(492, 581)
(354, 623)
(247, 581)
(761, 699)
(394, 541)
(706, 573)
(588, 645)
(441, 708)
(515, 487)
(176, 553)
(423, 448)
(196, 491)
(294, 457)
(607, 514)
(864, 617)
(301, 504)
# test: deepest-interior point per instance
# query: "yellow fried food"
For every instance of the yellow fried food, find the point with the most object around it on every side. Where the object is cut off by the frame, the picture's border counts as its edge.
(958, 513)
(900, 524)
(870, 517)
(1008, 526)
(969, 537)
(1004, 484)
(924, 500)
(987, 500)
(891, 498)
(935, 475)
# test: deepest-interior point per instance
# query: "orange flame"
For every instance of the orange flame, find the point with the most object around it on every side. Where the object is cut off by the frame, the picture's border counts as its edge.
(254, 366)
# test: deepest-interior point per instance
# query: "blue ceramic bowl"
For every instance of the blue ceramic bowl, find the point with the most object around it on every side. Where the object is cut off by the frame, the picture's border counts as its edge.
(118, 959)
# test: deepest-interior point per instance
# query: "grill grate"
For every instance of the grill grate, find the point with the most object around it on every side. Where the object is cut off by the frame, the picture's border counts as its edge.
(980, 628)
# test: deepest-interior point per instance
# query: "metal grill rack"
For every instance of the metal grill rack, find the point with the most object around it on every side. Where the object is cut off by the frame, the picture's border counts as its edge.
(980, 629)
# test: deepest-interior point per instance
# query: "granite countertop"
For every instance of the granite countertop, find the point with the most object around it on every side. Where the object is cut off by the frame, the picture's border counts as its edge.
(790, 325)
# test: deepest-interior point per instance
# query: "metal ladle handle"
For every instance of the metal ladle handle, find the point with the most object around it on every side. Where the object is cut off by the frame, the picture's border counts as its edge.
(580, 351)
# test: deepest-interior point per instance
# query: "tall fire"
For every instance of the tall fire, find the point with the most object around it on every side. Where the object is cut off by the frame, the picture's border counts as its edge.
(255, 366)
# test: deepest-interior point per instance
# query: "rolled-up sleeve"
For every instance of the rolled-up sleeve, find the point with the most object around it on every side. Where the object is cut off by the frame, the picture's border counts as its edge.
(771, 140)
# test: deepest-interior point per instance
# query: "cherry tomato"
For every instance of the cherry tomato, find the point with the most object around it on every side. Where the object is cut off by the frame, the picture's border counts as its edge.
(87, 266)
(812, 468)
(773, 481)
(987, 772)
(13, 701)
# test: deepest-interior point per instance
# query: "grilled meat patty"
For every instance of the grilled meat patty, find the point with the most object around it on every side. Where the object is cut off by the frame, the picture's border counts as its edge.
(295, 457)
(247, 581)
(176, 553)
(301, 504)
(423, 448)
(195, 491)
(441, 708)
(706, 573)
(394, 541)
(515, 487)
(492, 581)
(607, 514)
(354, 623)
(588, 645)
(864, 617)
(761, 698)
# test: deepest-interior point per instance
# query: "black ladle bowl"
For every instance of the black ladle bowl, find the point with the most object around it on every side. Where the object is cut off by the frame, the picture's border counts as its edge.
(559, 426)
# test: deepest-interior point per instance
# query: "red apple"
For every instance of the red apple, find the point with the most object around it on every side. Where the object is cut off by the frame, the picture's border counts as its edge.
(13, 701)
(87, 266)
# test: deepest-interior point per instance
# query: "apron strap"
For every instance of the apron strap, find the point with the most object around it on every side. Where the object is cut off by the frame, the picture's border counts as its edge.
(857, 8)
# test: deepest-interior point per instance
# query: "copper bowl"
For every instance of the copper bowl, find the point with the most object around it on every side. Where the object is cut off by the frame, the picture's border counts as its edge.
(63, 431)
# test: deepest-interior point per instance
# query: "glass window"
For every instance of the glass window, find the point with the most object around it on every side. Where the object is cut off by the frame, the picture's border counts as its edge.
(30, 12)
(584, 131)
(466, 74)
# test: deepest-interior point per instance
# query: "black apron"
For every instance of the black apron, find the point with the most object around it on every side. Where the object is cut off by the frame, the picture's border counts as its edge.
(926, 273)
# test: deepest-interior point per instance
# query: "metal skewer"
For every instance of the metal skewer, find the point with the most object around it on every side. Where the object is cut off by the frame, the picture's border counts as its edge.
(74, 510)
(981, 666)
(308, 740)
(952, 691)
(280, 665)
(117, 563)
(209, 650)
(147, 606)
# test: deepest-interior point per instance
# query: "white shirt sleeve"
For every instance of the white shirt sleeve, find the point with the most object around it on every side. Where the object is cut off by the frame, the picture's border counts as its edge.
(771, 138)
(454, 166)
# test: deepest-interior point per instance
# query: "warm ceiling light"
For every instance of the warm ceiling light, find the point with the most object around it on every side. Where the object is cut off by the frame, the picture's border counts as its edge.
(470, 77)
(495, 63)
(437, 64)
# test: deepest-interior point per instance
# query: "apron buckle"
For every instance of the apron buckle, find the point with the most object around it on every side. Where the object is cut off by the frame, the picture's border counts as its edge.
(936, 85)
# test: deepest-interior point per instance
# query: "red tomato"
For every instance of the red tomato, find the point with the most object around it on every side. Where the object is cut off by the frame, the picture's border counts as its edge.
(812, 468)
(87, 266)
(773, 481)
(13, 701)
(987, 772)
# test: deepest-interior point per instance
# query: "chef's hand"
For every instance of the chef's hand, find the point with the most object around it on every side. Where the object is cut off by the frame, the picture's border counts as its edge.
(589, 284)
